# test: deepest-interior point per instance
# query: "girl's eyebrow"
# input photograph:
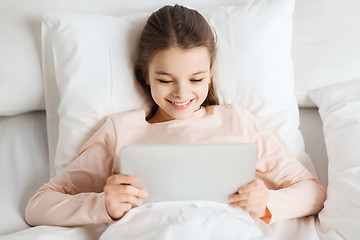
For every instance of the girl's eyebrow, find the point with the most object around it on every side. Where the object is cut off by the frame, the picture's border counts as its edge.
(169, 74)
(199, 72)
(162, 73)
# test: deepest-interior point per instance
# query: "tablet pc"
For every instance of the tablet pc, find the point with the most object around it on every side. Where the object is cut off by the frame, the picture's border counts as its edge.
(209, 172)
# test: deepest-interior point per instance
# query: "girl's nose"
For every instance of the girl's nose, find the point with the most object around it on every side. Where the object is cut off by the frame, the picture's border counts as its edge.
(180, 89)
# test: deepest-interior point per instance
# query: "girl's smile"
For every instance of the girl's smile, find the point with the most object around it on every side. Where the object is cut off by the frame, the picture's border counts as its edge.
(181, 105)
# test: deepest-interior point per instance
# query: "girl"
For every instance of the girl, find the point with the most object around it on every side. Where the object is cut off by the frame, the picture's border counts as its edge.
(173, 65)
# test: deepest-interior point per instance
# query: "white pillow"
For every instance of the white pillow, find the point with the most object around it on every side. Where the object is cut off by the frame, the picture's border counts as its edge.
(339, 107)
(93, 75)
(326, 47)
(21, 86)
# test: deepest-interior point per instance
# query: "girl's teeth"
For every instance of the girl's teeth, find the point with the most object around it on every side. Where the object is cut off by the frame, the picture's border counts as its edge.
(181, 104)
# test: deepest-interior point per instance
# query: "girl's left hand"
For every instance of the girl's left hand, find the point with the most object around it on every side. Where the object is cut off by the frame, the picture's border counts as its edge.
(252, 198)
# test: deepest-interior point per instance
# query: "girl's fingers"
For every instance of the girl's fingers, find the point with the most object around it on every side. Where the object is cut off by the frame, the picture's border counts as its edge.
(246, 205)
(118, 204)
(122, 179)
(255, 210)
(121, 195)
(123, 198)
(127, 189)
(256, 184)
(121, 184)
(250, 196)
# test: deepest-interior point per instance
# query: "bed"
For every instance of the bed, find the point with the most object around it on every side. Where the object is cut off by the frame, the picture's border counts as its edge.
(317, 49)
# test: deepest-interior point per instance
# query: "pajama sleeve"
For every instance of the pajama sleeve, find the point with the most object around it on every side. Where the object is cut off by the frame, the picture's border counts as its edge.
(293, 191)
(75, 196)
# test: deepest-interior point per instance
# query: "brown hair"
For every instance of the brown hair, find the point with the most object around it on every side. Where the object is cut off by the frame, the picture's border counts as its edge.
(173, 26)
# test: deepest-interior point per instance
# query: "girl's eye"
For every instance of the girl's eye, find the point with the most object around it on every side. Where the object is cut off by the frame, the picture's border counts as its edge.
(165, 81)
(196, 80)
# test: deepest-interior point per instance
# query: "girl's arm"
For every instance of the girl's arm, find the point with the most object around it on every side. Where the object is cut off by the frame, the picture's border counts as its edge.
(76, 195)
(284, 188)
(293, 191)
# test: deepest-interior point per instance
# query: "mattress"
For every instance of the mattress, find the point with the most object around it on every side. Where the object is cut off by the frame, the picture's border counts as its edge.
(25, 167)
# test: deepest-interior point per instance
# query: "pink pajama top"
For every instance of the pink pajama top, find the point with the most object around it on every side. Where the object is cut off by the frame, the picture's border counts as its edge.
(75, 196)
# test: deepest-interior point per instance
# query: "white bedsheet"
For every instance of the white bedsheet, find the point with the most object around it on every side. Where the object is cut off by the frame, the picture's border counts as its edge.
(24, 168)
(90, 232)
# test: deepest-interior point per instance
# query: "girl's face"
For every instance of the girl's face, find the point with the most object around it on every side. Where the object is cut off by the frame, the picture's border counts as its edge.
(179, 81)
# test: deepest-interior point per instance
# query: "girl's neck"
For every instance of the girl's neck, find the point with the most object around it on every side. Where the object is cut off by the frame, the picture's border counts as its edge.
(160, 117)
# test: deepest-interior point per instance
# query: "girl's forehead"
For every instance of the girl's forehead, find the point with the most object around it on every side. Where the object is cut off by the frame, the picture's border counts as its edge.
(192, 59)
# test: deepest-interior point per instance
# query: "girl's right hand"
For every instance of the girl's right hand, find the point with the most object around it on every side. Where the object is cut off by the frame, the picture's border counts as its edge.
(121, 195)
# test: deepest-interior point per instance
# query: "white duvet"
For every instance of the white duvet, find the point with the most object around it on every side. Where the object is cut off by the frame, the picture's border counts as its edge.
(185, 220)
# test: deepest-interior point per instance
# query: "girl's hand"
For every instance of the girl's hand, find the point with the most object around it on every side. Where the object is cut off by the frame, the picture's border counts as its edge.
(121, 194)
(252, 198)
